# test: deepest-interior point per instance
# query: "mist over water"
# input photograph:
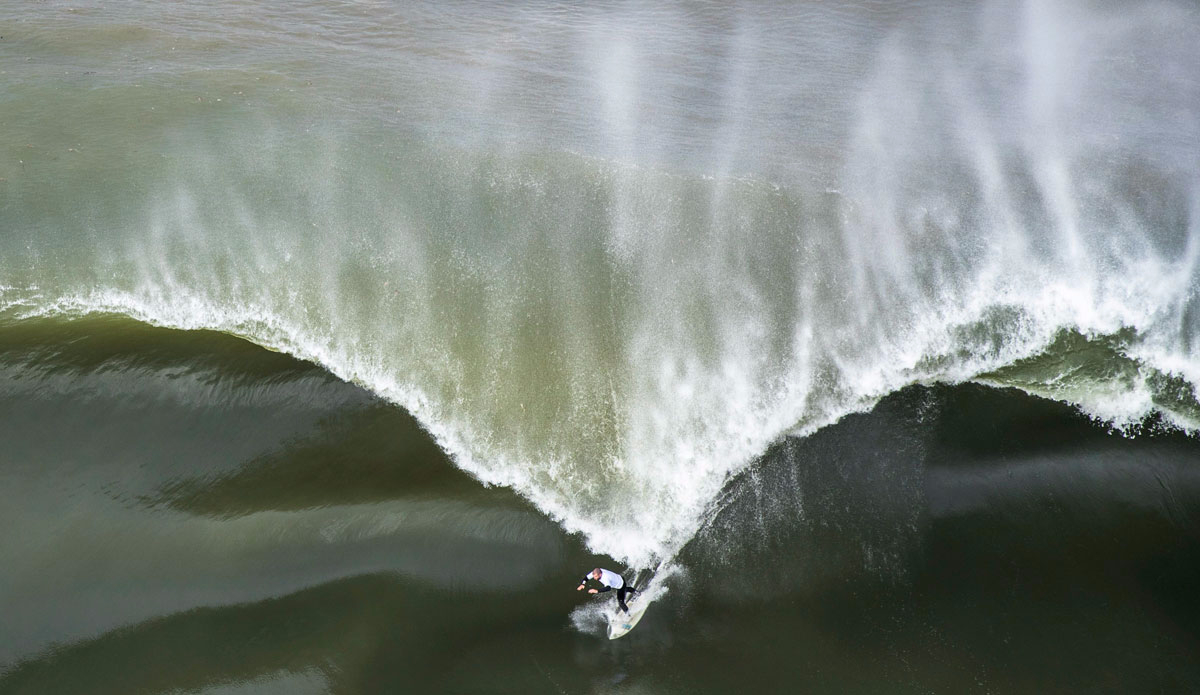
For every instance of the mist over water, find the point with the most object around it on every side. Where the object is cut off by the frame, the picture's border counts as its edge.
(608, 256)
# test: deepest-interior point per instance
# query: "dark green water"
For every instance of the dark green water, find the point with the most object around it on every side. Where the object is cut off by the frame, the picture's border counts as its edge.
(189, 513)
(338, 338)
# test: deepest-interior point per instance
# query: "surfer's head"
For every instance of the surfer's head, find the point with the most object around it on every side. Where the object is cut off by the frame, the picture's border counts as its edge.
(596, 574)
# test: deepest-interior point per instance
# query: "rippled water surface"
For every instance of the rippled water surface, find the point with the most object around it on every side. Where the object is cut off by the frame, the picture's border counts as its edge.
(337, 339)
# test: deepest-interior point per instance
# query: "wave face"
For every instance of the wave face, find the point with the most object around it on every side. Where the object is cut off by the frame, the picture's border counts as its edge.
(150, 474)
(607, 255)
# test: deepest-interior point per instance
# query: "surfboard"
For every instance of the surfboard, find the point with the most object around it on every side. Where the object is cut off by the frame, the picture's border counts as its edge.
(621, 623)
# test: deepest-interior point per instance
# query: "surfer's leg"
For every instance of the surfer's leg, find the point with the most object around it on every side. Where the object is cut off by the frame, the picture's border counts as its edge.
(621, 598)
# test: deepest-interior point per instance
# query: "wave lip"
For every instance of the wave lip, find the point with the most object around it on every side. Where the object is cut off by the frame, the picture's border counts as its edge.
(607, 262)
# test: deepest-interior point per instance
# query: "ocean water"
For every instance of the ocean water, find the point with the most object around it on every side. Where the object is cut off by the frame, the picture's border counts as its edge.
(338, 339)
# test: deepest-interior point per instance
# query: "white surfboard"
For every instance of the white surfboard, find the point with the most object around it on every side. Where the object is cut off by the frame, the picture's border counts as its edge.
(621, 622)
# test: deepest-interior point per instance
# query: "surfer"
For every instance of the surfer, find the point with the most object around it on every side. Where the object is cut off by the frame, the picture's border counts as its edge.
(608, 581)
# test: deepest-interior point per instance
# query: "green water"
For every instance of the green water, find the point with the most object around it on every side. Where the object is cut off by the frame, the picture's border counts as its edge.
(200, 515)
(338, 338)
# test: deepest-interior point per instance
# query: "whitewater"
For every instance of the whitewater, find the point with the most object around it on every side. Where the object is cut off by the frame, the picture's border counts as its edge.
(607, 257)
